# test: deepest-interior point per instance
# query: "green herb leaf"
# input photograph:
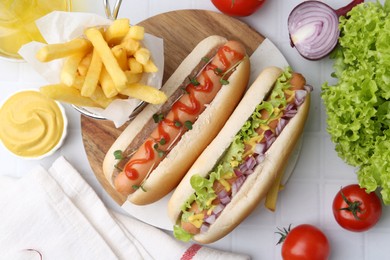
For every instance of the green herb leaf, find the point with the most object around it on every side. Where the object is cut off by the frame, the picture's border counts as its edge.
(136, 187)
(206, 59)
(163, 141)
(224, 81)
(160, 152)
(178, 124)
(188, 124)
(118, 155)
(194, 81)
(218, 71)
(158, 118)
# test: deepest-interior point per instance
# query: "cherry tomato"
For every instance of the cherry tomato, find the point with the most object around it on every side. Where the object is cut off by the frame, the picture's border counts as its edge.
(304, 242)
(356, 210)
(238, 7)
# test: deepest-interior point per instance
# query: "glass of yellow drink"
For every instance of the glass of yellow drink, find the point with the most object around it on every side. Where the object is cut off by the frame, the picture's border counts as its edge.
(17, 23)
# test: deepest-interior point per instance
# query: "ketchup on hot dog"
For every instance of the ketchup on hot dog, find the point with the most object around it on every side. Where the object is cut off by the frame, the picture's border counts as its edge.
(184, 112)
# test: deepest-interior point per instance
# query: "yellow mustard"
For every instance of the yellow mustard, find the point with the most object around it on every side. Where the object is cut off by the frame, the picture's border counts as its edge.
(31, 124)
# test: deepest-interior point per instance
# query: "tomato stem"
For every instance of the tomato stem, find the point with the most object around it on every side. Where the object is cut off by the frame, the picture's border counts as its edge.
(283, 233)
(353, 206)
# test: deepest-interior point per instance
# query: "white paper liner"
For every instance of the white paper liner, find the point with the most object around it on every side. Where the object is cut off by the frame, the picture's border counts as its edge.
(57, 27)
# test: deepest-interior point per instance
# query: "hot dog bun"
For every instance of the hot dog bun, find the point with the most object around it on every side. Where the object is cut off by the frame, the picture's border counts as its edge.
(172, 168)
(256, 186)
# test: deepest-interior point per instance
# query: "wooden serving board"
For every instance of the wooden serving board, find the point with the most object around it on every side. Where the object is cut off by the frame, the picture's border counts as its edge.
(181, 32)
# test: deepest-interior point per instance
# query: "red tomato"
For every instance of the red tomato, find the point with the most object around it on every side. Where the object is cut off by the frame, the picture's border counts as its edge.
(355, 209)
(305, 242)
(238, 7)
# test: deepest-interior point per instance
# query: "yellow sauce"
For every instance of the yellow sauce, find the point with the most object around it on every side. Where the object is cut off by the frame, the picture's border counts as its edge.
(31, 124)
(17, 22)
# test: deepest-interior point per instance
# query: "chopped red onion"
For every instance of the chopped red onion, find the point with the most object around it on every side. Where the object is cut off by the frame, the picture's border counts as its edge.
(270, 141)
(225, 200)
(260, 148)
(308, 88)
(223, 193)
(281, 124)
(218, 209)
(249, 172)
(250, 163)
(300, 96)
(204, 228)
(237, 185)
(210, 219)
(268, 134)
(260, 158)
(290, 114)
(243, 168)
(237, 172)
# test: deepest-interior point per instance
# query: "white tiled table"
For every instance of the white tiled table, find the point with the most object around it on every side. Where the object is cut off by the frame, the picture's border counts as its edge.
(317, 177)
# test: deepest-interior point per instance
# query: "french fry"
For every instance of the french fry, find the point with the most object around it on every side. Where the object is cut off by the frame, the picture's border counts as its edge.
(61, 50)
(135, 66)
(142, 55)
(144, 92)
(84, 64)
(93, 74)
(133, 77)
(111, 64)
(121, 56)
(107, 84)
(69, 70)
(117, 31)
(78, 82)
(136, 32)
(272, 195)
(150, 67)
(63, 93)
(100, 98)
(131, 46)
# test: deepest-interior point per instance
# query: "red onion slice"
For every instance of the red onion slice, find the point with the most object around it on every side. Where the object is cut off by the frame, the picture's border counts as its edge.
(313, 29)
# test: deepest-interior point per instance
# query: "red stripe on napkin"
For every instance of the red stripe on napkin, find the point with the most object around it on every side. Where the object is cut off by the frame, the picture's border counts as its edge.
(190, 252)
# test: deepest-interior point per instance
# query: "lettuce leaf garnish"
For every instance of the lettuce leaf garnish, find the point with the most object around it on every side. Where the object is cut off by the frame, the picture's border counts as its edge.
(358, 105)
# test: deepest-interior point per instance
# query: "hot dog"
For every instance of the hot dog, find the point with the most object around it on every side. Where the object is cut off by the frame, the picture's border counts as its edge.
(236, 171)
(161, 143)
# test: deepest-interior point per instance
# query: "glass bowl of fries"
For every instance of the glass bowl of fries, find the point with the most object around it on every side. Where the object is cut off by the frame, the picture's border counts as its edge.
(17, 23)
(108, 70)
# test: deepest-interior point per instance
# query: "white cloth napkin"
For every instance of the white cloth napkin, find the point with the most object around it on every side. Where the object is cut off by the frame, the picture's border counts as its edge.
(55, 214)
